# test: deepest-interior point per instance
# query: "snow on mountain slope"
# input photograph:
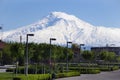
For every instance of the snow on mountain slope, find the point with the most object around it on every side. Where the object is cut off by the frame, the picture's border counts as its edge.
(65, 28)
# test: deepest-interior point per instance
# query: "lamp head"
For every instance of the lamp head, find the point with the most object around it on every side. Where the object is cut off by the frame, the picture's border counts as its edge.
(53, 39)
(69, 42)
(30, 34)
(82, 44)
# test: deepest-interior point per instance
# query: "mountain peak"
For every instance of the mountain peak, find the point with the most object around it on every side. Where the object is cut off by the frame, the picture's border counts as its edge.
(57, 16)
(62, 15)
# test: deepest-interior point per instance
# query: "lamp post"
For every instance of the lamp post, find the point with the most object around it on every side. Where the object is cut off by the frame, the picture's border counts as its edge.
(80, 51)
(26, 55)
(51, 39)
(20, 39)
(17, 63)
(67, 56)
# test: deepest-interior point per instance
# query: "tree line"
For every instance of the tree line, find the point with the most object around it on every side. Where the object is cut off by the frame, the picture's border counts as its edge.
(37, 53)
(104, 55)
(40, 53)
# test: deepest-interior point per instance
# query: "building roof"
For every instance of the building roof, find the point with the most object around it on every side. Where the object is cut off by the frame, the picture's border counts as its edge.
(105, 47)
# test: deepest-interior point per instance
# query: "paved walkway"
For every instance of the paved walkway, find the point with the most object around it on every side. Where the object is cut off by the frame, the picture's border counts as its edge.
(113, 75)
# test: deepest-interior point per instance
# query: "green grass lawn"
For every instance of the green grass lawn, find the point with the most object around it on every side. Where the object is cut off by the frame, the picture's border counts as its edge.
(6, 76)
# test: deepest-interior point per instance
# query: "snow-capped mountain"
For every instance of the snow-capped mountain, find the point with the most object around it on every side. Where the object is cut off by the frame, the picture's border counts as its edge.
(65, 27)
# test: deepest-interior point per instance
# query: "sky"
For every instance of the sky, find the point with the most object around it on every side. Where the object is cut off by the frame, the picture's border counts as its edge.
(18, 13)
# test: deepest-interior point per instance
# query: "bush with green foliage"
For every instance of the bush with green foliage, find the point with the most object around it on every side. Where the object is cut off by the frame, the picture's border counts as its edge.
(33, 77)
(67, 74)
(88, 55)
(89, 70)
(118, 58)
(107, 56)
(108, 68)
(115, 67)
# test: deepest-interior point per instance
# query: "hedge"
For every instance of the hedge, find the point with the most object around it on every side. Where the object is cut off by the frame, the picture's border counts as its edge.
(46, 76)
(89, 70)
(33, 77)
(67, 74)
(108, 68)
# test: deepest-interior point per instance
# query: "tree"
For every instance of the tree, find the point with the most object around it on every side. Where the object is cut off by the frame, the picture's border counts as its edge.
(41, 53)
(103, 55)
(6, 56)
(107, 56)
(88, 55)
(13, 52)
(111, 56)
(21, 51)
(70, 54)
(17, 52)
(61, 55)
(14, 49)
(118, 58)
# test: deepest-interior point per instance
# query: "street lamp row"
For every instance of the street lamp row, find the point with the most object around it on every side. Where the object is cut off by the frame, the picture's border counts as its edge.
(51, 39)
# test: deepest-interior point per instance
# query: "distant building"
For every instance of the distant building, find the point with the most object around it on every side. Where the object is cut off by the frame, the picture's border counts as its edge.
(116, 50)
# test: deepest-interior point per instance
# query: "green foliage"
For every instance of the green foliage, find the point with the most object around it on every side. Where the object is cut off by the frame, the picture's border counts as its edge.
(70, 54)
(111, 56)
(88, 55)
(107, 56)
(89, 70)
(34, 77)
(105, 68)
(13, 52)
(115, 68)
(6, 55)
(108, 68)
(38, 53)
(67, 74)
(118, 58)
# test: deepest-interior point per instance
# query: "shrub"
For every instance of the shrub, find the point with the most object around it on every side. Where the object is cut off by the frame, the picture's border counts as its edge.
(115, 67)
(89, 70)
(67, 74)
(105, 69)
(30, 71)
(108, 68)
(70, 74)
(33, 77)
